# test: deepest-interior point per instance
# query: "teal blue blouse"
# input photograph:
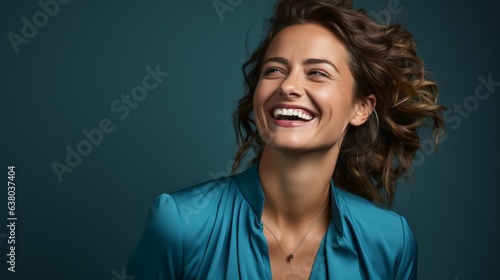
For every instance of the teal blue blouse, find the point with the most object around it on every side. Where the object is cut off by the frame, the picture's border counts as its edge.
(214, 231)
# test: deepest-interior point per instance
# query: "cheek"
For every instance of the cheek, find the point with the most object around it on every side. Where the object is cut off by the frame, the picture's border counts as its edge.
(260, 98)
(262, 94)
(334, 103)
(259, 101)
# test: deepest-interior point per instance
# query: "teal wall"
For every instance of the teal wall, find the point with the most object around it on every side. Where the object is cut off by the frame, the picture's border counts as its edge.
(70, 76)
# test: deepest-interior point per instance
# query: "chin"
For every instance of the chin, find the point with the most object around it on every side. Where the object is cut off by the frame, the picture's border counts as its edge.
(287, 143)
(299, 144)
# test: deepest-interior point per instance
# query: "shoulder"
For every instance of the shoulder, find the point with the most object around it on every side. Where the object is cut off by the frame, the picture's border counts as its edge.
(170, 212)
(160, 244)
(175, 220)
(361, 210)
(192, 212)
(195, 203)
(385, 235)
(208, 188)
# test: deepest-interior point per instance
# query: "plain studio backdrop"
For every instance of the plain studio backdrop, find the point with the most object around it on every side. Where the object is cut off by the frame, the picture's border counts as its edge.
(107, 104)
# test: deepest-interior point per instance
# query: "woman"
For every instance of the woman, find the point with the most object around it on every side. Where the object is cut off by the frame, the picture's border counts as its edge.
(331, 114)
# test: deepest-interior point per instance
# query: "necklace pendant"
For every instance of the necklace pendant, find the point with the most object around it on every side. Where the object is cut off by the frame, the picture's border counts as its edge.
(290, 257)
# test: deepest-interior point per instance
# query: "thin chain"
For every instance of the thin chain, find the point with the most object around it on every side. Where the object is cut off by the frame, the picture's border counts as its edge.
(291, 254)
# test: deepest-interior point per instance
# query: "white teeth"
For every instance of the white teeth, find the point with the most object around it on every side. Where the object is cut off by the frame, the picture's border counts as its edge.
(292, 112)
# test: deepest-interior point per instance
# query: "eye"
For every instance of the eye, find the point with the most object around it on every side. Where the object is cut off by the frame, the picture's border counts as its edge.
(319, 73)
(273, 71)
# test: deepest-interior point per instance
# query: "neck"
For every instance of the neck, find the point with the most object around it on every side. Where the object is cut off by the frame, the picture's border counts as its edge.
(295, 186)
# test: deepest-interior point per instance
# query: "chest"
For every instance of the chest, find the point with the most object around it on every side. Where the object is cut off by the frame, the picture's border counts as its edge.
(293, 260)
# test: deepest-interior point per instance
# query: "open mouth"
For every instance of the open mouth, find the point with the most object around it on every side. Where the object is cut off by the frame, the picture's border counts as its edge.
(291, 114)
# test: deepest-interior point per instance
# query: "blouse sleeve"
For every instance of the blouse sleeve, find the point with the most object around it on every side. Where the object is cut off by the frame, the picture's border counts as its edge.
(158, 255)
(407, 268)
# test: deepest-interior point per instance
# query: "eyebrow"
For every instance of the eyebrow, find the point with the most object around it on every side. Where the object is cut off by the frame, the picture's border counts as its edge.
(319, 61)
(277, 59)
(308, 61)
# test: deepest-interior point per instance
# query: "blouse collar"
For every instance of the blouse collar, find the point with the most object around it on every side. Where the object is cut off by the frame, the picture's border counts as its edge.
(251, 188)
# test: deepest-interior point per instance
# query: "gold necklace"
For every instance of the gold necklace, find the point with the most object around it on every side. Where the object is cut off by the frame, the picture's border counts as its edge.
(291, 254)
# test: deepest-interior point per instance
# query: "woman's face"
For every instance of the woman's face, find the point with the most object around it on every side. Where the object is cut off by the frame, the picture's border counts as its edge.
(304, 98)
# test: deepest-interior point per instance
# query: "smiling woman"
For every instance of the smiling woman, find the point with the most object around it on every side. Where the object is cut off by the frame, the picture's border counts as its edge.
(331, 112)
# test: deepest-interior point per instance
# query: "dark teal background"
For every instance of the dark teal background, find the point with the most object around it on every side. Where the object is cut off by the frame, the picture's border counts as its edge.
(66, 77)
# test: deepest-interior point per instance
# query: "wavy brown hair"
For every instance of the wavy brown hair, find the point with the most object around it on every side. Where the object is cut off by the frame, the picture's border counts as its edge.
(383, 62)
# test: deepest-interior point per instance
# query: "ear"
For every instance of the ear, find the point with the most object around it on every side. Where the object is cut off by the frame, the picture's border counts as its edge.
(364, 107)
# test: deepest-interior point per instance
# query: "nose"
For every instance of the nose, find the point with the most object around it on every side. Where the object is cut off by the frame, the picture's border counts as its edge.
(291, 86)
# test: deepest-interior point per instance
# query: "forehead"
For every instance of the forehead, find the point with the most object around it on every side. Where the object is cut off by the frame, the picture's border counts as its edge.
(307, 41)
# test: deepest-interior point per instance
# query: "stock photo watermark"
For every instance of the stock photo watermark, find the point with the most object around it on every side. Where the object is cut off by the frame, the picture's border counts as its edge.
(11, 218)
(457, 113)
(31, 26)
(224, 6)
(121, 108)
(122, 275)
(203, 196)
(384, 16)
